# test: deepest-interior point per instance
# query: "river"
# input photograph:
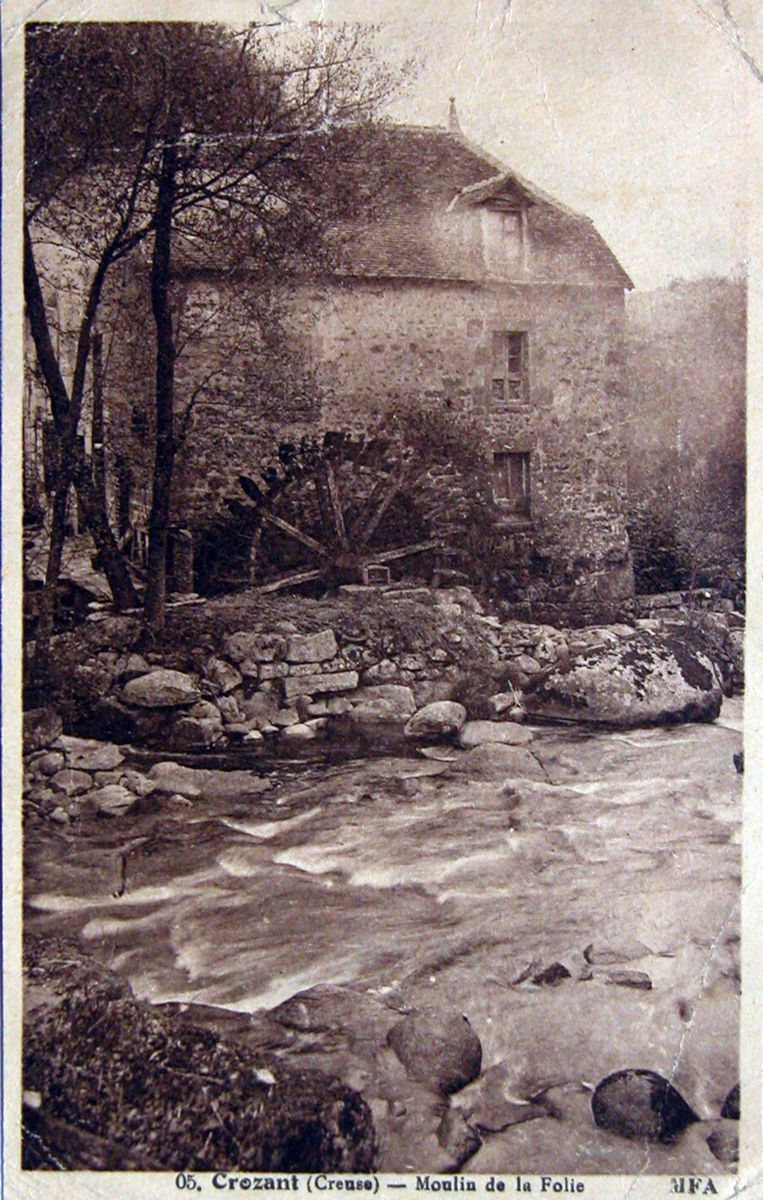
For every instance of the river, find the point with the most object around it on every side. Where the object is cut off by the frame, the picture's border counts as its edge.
(405, 875)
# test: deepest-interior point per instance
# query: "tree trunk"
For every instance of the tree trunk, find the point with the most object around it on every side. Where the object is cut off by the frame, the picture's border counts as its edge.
(47, 607)
(99, 450)
(112, 560)
(164, 456)
(72, 465)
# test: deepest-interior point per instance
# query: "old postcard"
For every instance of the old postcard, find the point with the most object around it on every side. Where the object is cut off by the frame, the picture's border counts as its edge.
(380, 644)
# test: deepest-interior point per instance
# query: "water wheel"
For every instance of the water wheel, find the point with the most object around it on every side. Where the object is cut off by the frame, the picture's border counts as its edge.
(329, 508)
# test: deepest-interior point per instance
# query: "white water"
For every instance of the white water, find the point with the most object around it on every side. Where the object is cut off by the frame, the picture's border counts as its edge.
(391, 873)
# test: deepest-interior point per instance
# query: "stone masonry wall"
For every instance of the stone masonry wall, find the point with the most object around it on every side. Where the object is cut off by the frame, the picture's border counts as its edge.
(371, 342)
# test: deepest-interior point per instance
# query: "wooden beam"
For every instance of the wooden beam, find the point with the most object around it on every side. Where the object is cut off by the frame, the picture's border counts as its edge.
(336, 506)
(292, 532)
(392, 488)
(404, 480)
(402, 551)
(290, 580)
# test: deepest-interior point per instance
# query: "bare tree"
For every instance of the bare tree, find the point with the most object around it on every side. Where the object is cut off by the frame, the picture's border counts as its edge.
(210, 145)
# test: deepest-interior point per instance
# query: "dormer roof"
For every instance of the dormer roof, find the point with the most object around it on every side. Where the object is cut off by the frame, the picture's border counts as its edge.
(431, 168)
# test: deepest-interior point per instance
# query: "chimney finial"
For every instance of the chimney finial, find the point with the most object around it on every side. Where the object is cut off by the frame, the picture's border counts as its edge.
(454, 125)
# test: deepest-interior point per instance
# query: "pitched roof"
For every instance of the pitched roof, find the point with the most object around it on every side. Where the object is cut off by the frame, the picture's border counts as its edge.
(419, 178)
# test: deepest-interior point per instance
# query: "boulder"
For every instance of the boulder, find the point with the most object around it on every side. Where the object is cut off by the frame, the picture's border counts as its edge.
(506, 733)
(253, 647)
(311, 647)
(223, 676)
(111, 801)
(73, 783)
(258, 708)
(457, 1138)
(442, 719)
(229, 709)
(731, 1109)
(171, 777)
(41, 727)
(195, 733)
(722, 1137)
(492, 761)
(161, 688)
(205, 710)
(526, 664)
(490, 1103)
(622, 951)
(382, 672)
(237, 731)
(641, 1104)
(502, 703)
(298, 732)
(50, 762)
(649, 679)
(86, 754)
(133, 666)
(137, 783)
(440, 1049)
(623, 977)
(552, 975)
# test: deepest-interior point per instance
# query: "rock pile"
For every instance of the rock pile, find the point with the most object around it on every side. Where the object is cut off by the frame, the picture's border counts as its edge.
(255, 684)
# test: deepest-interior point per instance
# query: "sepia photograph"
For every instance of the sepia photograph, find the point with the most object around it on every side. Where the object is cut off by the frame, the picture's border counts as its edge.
(374, 495)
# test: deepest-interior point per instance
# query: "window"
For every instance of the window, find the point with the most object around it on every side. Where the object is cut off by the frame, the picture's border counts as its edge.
(509, 368)
(511, 481)
(504, 238)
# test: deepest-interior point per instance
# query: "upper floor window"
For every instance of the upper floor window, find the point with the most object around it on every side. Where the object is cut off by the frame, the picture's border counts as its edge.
(504, 238)
(509, 367)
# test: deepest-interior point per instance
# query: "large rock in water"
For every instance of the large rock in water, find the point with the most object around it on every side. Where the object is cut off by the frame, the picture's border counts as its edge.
(439, 1049)
(641, 1104)
(443, 718)
(161, 689)
(504, 733)
(651, 679)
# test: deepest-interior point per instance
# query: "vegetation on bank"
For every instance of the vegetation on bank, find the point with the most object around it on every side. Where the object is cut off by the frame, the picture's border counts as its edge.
(169, 1095)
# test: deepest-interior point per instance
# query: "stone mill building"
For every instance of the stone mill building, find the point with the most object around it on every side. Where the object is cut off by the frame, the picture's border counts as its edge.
(471, 288)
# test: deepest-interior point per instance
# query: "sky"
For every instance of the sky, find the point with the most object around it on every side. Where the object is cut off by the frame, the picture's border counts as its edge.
(631, 111)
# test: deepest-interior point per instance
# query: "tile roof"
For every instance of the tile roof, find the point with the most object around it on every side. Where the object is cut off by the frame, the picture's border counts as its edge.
(419, 178)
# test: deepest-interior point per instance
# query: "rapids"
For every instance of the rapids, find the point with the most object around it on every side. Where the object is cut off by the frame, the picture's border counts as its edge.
(401, 875)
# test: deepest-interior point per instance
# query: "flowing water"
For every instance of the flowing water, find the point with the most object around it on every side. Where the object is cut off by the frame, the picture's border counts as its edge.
(406, 873)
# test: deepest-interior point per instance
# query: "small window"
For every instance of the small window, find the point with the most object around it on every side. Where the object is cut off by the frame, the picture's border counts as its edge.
(511, 481)
(509, 368)
(504, 239)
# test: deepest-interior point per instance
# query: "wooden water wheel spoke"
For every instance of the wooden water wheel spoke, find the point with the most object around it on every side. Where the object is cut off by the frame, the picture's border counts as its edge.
(347, 505)
(389, 490)
(402, 551)
(290, 579)
(324, 507)
(291, 531)
(336, 507)
(389, 493)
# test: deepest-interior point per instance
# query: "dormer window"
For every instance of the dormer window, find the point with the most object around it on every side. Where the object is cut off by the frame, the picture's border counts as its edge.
(503, 227)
